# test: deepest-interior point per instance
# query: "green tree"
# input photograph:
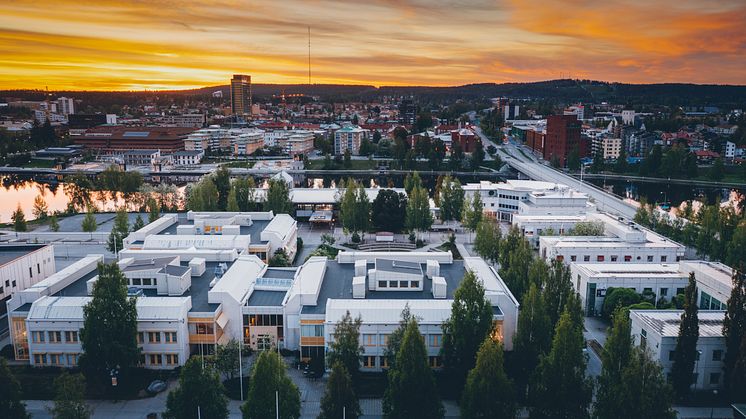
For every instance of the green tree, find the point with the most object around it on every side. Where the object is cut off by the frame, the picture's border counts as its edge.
(270, 383)
(154, 210)
(278, 198)
(516, 272)
(339, 399)
(19, 219)
(54, 225)
(470, 322)
(418, 216)
(40, 209)
(222, 180)
(280, 259)
(388, 211)
(347, 162)
(138, 224)
(489, 392)
(226, 358)
(510, 243)
(109, 334)
(533, 336)
(89, 224)
(598, 164)
(734, 331)
(472, 212)
(243, 190)
(587, 228)
(717, 172)
(557, 290)
(621, 165)
(69, 399)
(685, 354)
(232, 204)
(412, 181)
(199, 394)
(645, 389)
(395, 338)
(615, 357)
(573, 160)
(411, 391)
(487, 240)
(618, 297)
(477, 156)
(119, 231)
(11, 405)
(560, 388)
(451, 199)
(345, 346)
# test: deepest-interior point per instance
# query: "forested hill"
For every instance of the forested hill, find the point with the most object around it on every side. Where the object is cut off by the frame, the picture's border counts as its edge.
(554, 90)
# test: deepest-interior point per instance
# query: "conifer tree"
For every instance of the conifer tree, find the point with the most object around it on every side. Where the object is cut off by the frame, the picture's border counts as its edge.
(685, 355)
(19, 219)
(138, 224)
(734, 331)
(411, 391)
(11, 405)
(489, 392)
(270, 383)
(89, 223)
(119, 231)
(345, 347)
(339, 399)
(200, 390)
(533, 336)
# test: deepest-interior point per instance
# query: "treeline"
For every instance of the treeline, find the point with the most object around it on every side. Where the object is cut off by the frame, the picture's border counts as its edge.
(716, 232)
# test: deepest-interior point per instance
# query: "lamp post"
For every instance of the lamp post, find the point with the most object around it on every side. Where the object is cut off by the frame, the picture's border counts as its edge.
(712, 408)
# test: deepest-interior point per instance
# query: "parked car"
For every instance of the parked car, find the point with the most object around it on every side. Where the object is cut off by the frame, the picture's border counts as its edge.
(156, 387)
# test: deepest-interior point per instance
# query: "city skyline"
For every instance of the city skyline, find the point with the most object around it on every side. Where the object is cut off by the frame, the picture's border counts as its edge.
(117, 45)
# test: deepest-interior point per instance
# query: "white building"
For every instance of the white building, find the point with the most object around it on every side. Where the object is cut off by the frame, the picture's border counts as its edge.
(665, 280)
(658, 330)
(611, 147)
(730, 150)
(22, 266)
(188, 157)
(65, 106)
(503, 200)
(141, 157)
(349, 138)
(622, 242)
(297, 143)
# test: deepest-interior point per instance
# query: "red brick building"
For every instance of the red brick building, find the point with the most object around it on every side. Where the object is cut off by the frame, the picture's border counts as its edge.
(535, 140)
(563, 135)
(466, 138)
(115, 140)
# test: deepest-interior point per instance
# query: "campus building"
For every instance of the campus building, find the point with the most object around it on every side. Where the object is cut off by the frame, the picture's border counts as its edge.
(23, 265)
(658, 331)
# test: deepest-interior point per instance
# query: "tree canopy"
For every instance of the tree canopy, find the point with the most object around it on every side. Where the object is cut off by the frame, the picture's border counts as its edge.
(339, 398)
(489, 392)
(199, 390)
(268, 376)
(685, 355)
(345, 346)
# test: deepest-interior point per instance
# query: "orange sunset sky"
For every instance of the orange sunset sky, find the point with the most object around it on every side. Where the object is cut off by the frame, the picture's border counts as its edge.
(165, 44)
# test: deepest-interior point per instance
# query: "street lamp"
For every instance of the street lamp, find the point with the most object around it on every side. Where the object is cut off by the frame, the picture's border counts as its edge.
(714, 397)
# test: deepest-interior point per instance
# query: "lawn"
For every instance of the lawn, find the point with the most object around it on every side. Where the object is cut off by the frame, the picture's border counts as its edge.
(240, 164)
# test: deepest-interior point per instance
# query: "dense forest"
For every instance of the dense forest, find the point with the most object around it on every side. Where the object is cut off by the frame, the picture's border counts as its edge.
(565, 90)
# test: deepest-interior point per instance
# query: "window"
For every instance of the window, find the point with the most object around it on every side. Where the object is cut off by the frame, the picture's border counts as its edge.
(156, 359)
(415, 284)
(14, 283)
(154, 337)
(146, 281)
(586, 258)
(664, 292)
(434, 340)
(614, 258)
(663, 258)
(170, 337)
(30, 272)
(717, 355)
(680, 291)
(600, 258)
(38, 268)
(381, 284)
(435, 362)
(393, 284)
(369, 361)
(55, 336)
(37, 337)
(384, 361)
(172, 359)
(71, 336)
(72, 359)
(140, 337)
(403, 284)
(312, 330)
(650, 258)
(55, 359)
(671, 355)
(628, 258)
(385, 340)
(136, 281)
(369, 340)
(715, 378)
(573, 258)
(40, 359)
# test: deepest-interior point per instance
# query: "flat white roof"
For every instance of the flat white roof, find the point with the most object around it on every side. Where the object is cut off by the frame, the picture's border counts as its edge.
(183, 241)
(630, 270)
(716, 271)
(430, 311)
(281, 225)
(240, 277)
(71, 308)
(666, 322)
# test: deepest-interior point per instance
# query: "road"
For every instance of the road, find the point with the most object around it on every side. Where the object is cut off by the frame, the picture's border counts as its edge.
(605, 201)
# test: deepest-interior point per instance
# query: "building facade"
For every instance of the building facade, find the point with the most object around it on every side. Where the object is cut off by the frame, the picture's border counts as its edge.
(241, 95)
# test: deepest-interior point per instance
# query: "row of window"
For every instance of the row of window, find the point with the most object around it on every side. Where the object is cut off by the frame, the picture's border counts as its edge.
(56, 359)
(433, 340)
(383, 362)
(717, 355)
(157, 337)
(55, 336)
(263, 320)
(399, 284)
(143, 281)
(612, 258)
(159, 359)
(714, 378)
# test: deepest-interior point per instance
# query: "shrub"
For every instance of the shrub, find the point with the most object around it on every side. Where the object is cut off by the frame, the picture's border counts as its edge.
(355, 238)
(618, 297)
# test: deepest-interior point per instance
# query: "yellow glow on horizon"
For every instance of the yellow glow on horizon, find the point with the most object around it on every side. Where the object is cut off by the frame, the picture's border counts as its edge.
(169, 44)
